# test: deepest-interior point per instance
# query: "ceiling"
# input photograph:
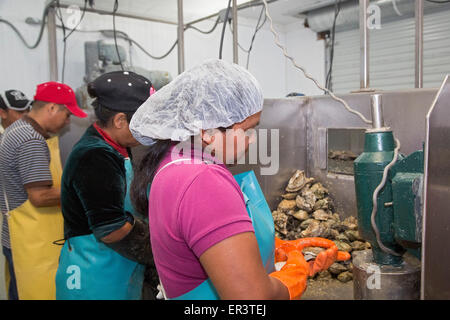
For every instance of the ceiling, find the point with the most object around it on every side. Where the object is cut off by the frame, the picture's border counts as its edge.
(282, 11)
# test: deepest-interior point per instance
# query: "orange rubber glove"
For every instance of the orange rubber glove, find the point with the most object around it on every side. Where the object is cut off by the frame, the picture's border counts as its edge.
(323, 260)
(294, 274)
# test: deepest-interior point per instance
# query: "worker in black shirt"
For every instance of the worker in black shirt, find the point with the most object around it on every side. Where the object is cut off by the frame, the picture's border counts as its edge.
(106, 247)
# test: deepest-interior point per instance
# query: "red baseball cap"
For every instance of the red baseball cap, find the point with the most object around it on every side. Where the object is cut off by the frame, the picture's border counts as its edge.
(59, 93)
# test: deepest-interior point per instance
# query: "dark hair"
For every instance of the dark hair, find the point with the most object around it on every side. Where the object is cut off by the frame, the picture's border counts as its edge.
(144, 173)
(3, 104)
(37, 105)
(104, 114)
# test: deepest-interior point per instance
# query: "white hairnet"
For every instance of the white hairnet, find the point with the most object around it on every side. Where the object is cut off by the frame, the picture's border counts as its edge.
(213, 94)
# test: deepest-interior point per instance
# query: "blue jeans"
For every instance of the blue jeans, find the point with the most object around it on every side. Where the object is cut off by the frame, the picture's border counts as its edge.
(12, 292)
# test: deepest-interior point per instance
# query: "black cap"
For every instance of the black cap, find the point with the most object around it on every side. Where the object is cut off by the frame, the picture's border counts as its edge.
(15, 100)
(122, 91)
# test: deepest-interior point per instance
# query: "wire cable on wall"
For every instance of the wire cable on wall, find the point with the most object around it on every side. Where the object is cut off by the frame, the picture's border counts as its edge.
(307, 75)
(257, 28)
(65, 37)
(148, 53)
(81, 19)
(337, 9)
(62, 26)
(189, 26)
(60, 17)
(223, 29)
(126, 37)
(41, 31)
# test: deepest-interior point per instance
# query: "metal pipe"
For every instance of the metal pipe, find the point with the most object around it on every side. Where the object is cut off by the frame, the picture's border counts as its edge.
(419, 44)
(180, 37)
(52, 46)
(235, 33)
(377, 111)
(364, 44)
(125, 15)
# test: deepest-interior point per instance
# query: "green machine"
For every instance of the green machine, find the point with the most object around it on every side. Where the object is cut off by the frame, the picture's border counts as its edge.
(389, 196)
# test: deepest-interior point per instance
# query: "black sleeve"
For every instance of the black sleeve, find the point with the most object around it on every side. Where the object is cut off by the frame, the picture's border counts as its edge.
(100, 183)
(136, 244)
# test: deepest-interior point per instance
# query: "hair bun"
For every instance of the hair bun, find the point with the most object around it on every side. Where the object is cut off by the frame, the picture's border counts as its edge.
(91, 90)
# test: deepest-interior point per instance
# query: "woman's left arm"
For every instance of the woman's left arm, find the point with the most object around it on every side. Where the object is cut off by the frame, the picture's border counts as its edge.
(235, 268)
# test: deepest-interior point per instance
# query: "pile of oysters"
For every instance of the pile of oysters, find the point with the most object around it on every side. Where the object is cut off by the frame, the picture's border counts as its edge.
(307, 211)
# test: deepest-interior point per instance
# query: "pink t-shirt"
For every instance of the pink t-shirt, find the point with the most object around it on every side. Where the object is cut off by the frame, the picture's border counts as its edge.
(192, 206)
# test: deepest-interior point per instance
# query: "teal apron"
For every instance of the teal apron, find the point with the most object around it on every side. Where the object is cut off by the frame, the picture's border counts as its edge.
(90, 270)
(262, 220)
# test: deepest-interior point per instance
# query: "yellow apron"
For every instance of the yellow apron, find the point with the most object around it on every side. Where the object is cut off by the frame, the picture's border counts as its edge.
(32, 232)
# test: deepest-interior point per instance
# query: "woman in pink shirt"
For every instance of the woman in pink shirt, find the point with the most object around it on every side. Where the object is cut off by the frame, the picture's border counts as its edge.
(205, 241)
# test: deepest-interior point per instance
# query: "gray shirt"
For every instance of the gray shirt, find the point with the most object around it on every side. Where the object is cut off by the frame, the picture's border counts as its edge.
(24, 162)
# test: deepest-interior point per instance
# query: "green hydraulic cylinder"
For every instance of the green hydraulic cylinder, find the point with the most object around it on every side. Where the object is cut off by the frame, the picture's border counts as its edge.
(369, 167)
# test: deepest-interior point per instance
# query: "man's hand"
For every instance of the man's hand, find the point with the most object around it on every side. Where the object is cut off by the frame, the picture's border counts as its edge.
(44, 196)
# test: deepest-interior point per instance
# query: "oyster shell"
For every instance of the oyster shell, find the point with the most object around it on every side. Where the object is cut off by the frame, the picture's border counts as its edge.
(293, 224)
(345, 276)
(330, 223)
(321, 215)
(298, 181)
(286, 205)
(325, 204)
(319, 190)
(315, 229)
(334, 233)
(342, 155)
(313, 250)
(337, 268)
(289, 196)
(280, 220)
(358, 245)
(352, 235)
(305, 224)
(342, 237)
(323, 275)
(301, 215)
(336, 217)
(306, 202)
(342, 246)
(349, 223)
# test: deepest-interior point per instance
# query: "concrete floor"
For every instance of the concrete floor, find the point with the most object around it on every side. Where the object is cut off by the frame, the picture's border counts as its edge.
(328, 290)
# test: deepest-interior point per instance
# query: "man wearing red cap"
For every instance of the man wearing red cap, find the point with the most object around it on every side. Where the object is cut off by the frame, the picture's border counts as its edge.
(30, 175)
